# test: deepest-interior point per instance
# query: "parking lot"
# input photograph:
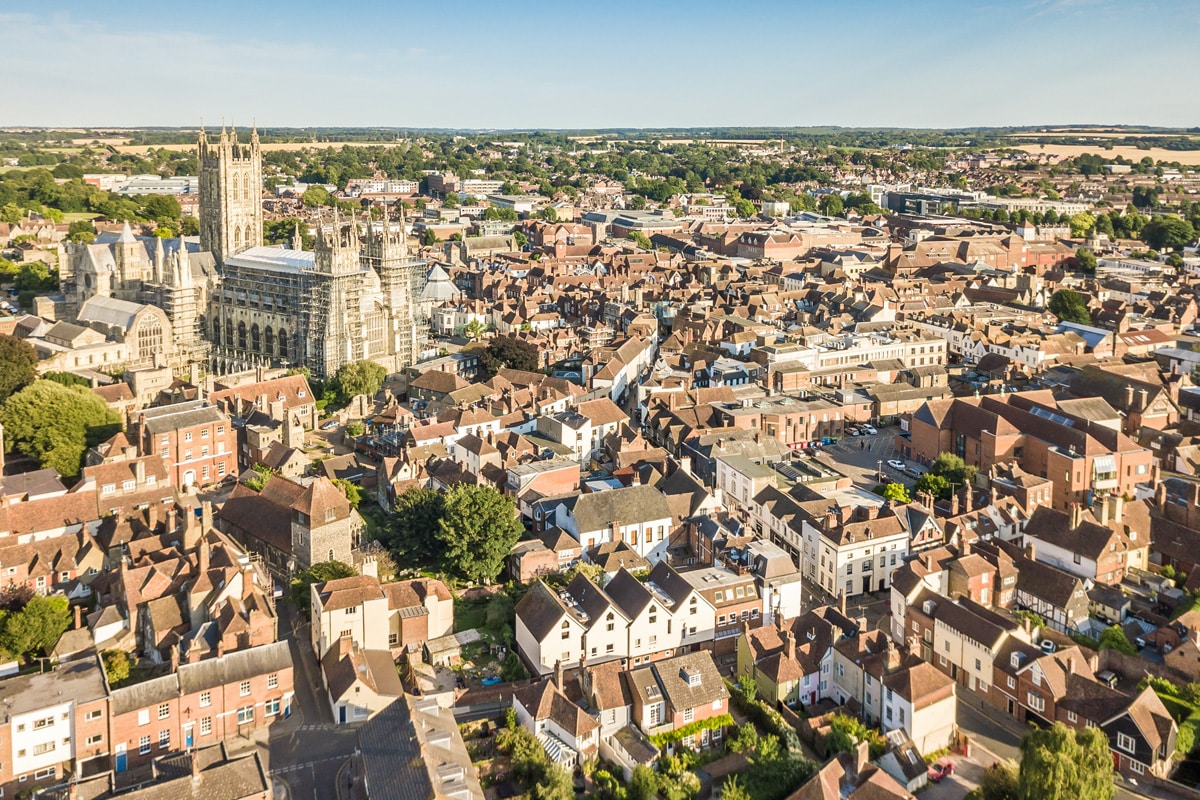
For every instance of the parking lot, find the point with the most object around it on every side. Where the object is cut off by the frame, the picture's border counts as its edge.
(862, 457)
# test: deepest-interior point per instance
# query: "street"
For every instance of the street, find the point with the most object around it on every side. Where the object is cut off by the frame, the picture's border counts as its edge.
(307, 752)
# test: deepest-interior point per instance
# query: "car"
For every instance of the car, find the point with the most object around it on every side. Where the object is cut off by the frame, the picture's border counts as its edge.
(328, 426)
(941, 769)
(914, 472)
(1048, 646)
(1108, 678)
(854, 432)
(896, 464)
(871, 430)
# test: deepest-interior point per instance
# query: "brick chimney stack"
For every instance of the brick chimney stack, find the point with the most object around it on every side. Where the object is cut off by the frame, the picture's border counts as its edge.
(790, 645)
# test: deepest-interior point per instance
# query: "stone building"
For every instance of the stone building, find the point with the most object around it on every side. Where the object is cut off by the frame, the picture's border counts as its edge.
(234, 303)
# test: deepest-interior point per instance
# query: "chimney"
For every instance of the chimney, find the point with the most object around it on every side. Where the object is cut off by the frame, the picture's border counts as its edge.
(790, 645)
(152, 516)
(1143, 399)
(206, 516)
(893, 656)
(954, 505)
(842, 602)
(1128, 398)
(78, 617)
(779, 622)
(993, 495)
(964, 547)
(262, 403)
(171, 518)
(558, 674)
(1071, 665)
(191, 529)
(174, 658)
(1160, 495)
(276, 410)
(1102, 512)
(195, 766)
(862, 756)
(1118, 502)
(1031, 550)
(1076, 515)
(966, 498)
(616, 531)
(202, 555)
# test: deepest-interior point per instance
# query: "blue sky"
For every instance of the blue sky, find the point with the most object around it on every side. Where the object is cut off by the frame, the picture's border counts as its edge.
(570, 64)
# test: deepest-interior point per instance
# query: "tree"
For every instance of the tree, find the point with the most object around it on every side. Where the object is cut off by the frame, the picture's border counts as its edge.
(1070, 306)
(412, 532)
(67, 379)
(429, 238)
(116, 666)
(475, 329)
(1082, 224)
(744, 208)
(36, 276)
(359, 377)
(520, 239)
(507, 351)
(894, 491)
(947, 473)
(82, 230)
(1168, 232)
(556, 784)
(452, 200)
(643, 784)
(352, 491)
(999, 782)
(1085, 259)
(733, 790)
(315, 196)
(301, 587)
(936, 485)
(1114, 638)
(189, 226)
(37, 626)
(18, 365)
(548, 214)
(641, 240)
(1060, 763)
(831, 205)
(478, 528)
(56, 424)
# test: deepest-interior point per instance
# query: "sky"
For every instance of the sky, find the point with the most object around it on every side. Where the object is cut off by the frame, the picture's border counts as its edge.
(571, 64)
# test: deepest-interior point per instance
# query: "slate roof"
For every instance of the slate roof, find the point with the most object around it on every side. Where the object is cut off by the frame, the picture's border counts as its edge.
(627, 506)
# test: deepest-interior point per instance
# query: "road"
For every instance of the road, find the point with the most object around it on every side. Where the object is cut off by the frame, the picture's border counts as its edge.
(1001, 738)
(307, 751)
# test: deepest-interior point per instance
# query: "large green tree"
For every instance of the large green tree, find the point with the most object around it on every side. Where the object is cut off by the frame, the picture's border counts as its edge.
(36, 627)
(508, 351)
(56, 424)
(301, 588)
(831, 205)
(1069, 306)
(947, 474)
(477, 529)
(359, 377)
(1168, 232)
(18, 365)
(1061, 763)
(413, 529)
(1085, 259)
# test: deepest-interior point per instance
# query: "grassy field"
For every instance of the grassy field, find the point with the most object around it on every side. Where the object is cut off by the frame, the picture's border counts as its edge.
(1188, 157)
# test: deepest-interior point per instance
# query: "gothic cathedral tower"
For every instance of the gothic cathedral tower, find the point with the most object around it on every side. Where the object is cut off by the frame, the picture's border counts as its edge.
(231, 218)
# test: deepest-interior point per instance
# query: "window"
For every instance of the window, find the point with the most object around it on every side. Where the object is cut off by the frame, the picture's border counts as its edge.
(271, 708)
(244, 688)
(48, 772)
(164, 739)
(97, 739)
(44, 747)
(1012, 682)
(566, 630)
(144, 745)
(245, 715)
(91, 716)
(688, 714)
(128, 486)
(205, 699)
(393, 640)
(608, 649)
(1072, 716)
(46, 722)
(144, 717)
(1126, 743)
(1036, 702)
(164, 710)
(1136, 767)
(205, 725)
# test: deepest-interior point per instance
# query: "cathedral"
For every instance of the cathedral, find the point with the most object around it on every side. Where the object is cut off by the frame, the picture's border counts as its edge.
(234, 303)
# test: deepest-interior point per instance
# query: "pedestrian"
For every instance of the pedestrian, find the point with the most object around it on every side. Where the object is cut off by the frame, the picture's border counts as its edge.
(862, 445)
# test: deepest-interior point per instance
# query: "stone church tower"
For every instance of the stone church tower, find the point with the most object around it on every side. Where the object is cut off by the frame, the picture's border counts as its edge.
(231, 216)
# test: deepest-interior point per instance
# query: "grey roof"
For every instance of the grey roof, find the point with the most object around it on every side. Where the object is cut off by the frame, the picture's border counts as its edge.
(109, 311)
(181, 415)
(220, 778)
(626, 506)
(234, 667)
(540, 610)
(406, 745)
(143, 695)
(628, 593)
(273, 258)
(79, 680)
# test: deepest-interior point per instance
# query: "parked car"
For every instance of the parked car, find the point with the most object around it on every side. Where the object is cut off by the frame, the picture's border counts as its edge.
(332, 424)
(914, 472)
(941, 769)
(896, 464)
(853, 431)
(1108, 678)
(871, 430)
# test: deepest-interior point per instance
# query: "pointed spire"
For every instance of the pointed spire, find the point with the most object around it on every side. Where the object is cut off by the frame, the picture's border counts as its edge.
(297, 239)
(126, 234)
(254, 130)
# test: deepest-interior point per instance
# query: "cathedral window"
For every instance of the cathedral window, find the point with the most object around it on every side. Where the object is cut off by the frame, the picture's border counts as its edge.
(237, 238)
(234, 188)
(217, 331)
(241, 339)
(270, 340)
(283, 343)
(229, 333)
(255, 338)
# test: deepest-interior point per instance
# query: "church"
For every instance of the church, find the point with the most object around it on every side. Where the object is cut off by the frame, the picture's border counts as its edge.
(233, 303)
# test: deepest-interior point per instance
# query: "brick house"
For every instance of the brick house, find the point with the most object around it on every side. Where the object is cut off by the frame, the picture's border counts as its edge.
(196, 441)
(671, 694)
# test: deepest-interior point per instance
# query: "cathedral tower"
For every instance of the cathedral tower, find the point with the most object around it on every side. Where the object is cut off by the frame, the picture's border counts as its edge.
(231, 218)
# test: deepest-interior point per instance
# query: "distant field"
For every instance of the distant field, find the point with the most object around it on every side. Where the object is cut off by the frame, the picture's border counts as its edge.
(267, 146)
(76, 216)
(1093, 134)
(1189, 157)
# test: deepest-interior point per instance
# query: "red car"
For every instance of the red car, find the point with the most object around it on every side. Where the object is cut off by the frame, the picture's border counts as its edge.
(941, 770)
